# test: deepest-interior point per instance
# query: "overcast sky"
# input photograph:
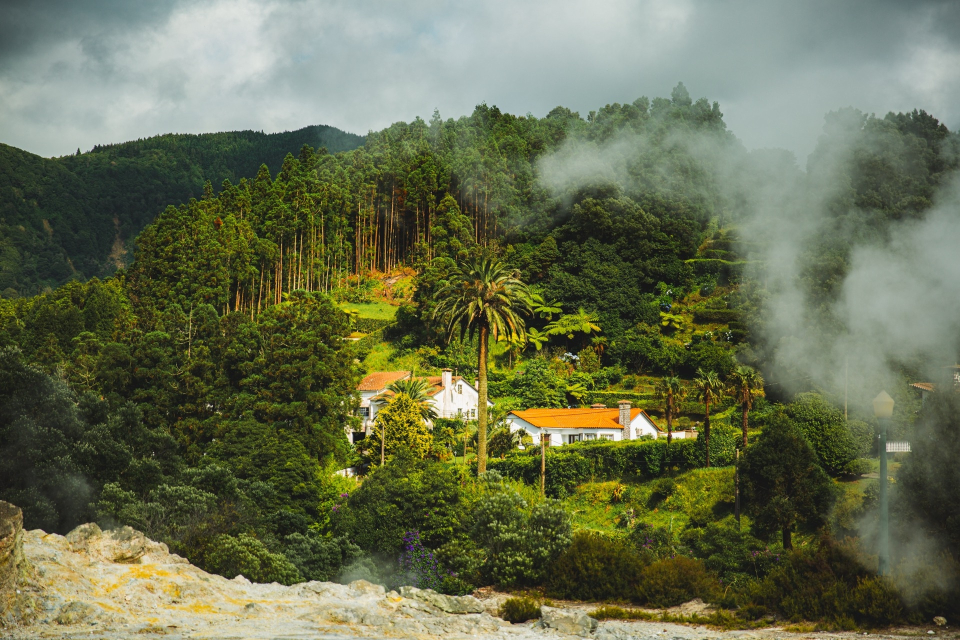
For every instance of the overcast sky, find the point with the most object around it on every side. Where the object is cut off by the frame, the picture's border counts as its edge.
(76, 73)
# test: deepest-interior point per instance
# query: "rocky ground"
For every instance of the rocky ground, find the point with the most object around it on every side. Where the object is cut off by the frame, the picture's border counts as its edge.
(119, 584)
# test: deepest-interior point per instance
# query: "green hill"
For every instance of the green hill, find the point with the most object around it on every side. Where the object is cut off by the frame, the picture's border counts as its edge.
(75, 216)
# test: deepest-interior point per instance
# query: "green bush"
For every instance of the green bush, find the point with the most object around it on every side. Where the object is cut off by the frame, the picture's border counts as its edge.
(518, 543)
(723, 444)
(829, 584)
(404, 495)
(715, 316)
(320, 559)
(673, 581)
(519, 610)
(571, 465)
(824, 426)
(245, 555)
(595, 567)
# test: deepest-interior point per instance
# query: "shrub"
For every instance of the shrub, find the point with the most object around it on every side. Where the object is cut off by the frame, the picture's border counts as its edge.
(519, 610)
(828, 584)
(418, 565)
(320, 559)
(404, 495)
(715, 316)
(245, 555)
(673, 581)
(518, 544)
(595, 567)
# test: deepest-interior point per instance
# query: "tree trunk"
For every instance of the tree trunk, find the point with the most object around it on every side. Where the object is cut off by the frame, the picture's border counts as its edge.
(669, 416)
(787, 538)
(482, 402)
(746, 410)
(706, 427)
(544, 438)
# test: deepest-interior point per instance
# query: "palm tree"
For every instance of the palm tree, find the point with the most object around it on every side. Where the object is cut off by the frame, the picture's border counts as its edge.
(483, 297)
(670, 389)
(543, 307)
(537, 338)
(744, 383)
(709, 387)
(419, 391)
(570, 323)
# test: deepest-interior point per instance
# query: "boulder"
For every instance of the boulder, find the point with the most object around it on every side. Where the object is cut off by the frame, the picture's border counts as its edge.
(122, 546)
(449, 604)
(18, 603)
(940, 621)
(576, 623)
(75, 612)
(11, 546)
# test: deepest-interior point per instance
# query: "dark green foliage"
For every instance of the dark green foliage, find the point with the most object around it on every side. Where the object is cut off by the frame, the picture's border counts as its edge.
(783, 486)
(517, 610)
(245, 555)
(824, 426)
(729, 552)
(518, 542)
(62, 218)
(404, 495)
(828, 583)
(928, 480)
(724, 439)
(319, 558)
(673, 581)
(571, 465)
(719, 316)
(595, 567)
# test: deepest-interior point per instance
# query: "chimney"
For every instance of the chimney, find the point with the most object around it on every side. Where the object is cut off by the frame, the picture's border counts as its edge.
(598, 406)
(625, 419)
(447, 378)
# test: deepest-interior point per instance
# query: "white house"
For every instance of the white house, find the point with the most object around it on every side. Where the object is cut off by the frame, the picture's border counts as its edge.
(566, 426)
(451, 396)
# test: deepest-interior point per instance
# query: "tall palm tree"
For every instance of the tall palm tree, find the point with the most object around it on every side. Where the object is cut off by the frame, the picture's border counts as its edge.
(670, 389)
(708, 387)
(483, 297)
(744, 384)
(419, 391)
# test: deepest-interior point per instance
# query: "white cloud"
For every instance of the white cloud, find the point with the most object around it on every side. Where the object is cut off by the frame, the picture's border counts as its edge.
(86, 76)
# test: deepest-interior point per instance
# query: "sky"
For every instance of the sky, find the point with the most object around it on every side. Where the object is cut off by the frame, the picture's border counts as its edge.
(75, 73)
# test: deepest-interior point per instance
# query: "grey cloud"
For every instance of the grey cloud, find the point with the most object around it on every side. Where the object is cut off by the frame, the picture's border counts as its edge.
(775, 67)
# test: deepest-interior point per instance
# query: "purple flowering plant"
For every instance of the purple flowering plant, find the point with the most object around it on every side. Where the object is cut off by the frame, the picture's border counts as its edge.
(418, 563)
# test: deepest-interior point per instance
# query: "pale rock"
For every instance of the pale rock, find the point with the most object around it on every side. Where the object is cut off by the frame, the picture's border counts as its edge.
(75, 612)
(448, 604)
(940, 621)
(575, 623)
(362, 587)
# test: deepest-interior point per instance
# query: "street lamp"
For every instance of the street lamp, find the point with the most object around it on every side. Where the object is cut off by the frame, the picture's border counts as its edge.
(883, 410)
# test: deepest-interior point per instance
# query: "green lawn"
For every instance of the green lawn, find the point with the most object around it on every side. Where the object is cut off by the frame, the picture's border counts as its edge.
(372, 310)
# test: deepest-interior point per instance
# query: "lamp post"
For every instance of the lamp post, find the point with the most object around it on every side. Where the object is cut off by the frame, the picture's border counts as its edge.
(544, 443)
(883, 410)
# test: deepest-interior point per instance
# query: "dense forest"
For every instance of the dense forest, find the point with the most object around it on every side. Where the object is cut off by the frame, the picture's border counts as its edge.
(201, 392)
(75, 217)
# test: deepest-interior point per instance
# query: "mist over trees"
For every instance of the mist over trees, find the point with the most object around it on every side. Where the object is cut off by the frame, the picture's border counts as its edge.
(201, 393)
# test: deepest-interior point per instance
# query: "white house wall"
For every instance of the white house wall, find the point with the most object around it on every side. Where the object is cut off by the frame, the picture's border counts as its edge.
(559, 436)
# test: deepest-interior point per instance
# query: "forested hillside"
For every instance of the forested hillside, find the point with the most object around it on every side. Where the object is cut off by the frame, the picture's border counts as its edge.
(202, 392)
(75, 217)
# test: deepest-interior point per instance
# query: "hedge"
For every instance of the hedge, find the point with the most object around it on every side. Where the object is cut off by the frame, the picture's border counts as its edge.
(371, 325)
(719, 316)
(726, 271)
(574, 464)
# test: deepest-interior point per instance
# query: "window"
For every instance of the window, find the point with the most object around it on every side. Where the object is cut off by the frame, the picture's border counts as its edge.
(589, 436)
(459, 413)
(473, 413)
(363, 412)
(574, 438)
(606, 436)
(460, 388)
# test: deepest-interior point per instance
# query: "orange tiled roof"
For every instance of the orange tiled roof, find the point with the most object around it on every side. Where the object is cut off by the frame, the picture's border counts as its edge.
(577, 418)
(380, 380)
(924, 386)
